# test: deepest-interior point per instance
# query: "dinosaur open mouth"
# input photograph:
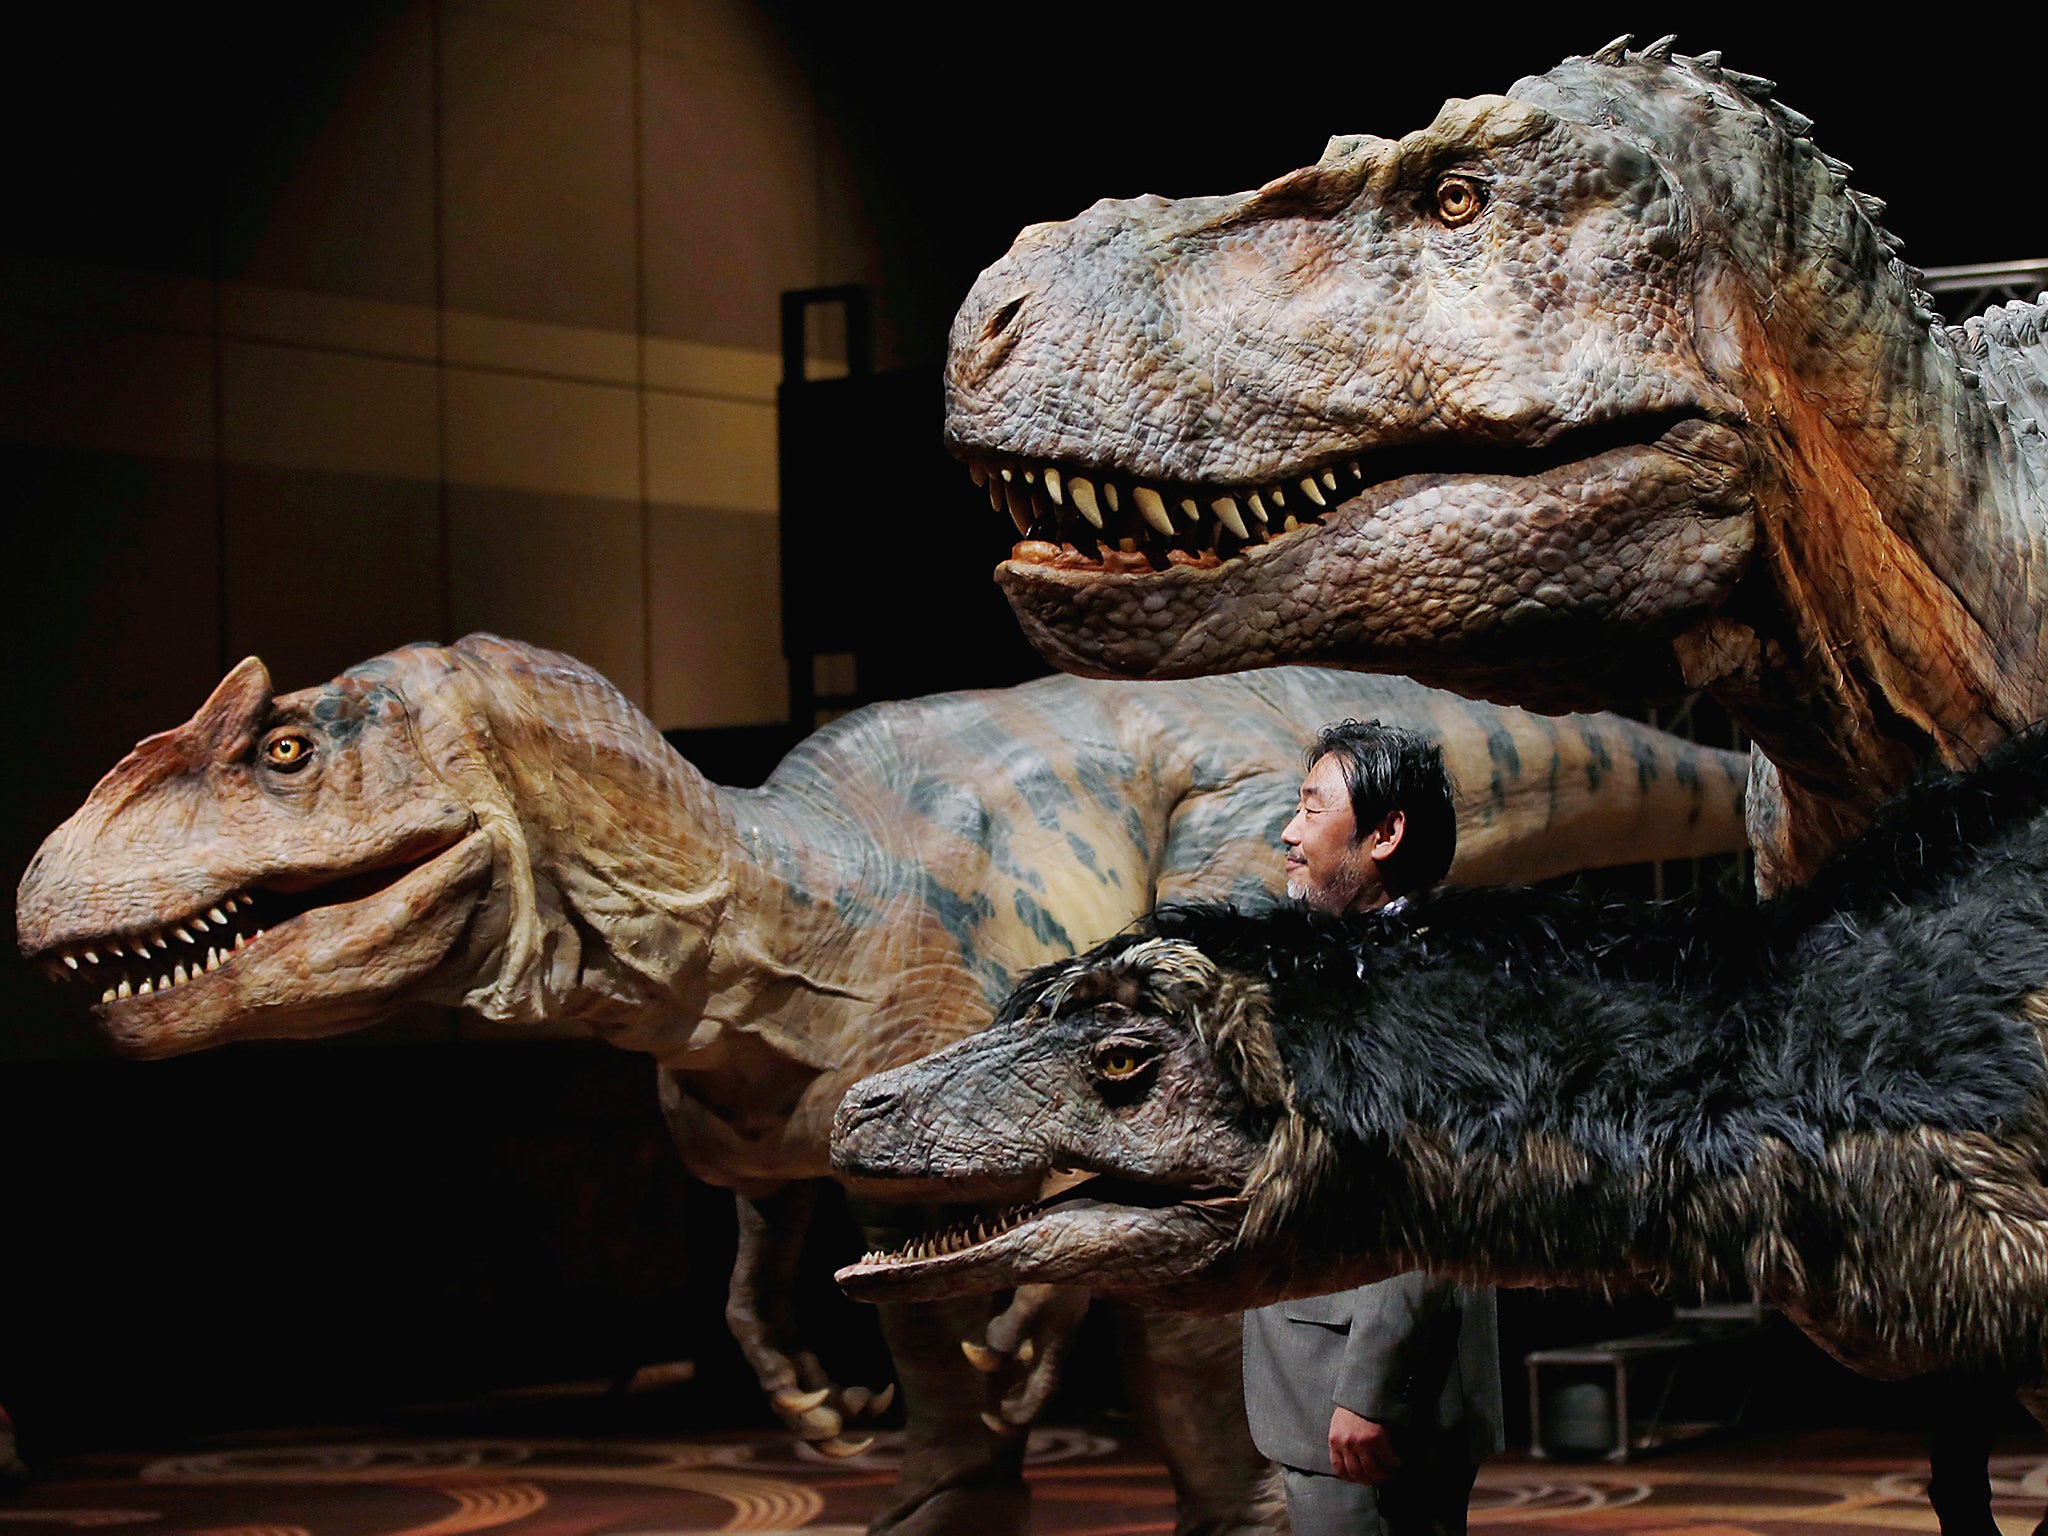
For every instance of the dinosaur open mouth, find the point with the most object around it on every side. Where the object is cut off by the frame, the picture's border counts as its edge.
(1077, 518)
(1096, 1228)
(214, 943)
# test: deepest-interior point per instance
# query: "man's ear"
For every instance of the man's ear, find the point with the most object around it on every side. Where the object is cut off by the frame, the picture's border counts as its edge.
(1381, 842)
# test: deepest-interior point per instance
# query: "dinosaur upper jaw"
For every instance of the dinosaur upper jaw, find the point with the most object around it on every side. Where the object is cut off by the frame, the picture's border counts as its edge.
(284, 958)
(1449, 563)
(1113, 1235)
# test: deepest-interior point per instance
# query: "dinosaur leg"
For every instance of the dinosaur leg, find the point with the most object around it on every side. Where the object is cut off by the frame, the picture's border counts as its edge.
(2035, 1400)
(1966, 1417)
(761, 1317)
(957, 1474)
(1186, 1379)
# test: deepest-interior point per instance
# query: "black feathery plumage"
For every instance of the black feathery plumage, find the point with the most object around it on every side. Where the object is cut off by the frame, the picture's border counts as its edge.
(1884, 996)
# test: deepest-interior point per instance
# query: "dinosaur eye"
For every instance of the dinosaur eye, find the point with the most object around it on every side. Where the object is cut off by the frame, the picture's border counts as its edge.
(1118, 1061)
(288, 751)
(1459, 199)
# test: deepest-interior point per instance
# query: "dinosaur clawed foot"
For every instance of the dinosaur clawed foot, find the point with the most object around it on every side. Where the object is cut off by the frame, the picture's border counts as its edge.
(820, 1410)
(1025, 1344)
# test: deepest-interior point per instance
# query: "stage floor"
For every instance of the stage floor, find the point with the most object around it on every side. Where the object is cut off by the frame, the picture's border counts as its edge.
(1085, 1481)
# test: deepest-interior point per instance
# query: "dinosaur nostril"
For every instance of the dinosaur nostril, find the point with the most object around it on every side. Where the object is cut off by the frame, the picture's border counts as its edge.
(1002, 319)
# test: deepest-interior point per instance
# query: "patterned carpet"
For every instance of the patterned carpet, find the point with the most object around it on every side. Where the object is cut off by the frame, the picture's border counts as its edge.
(1085, 1482)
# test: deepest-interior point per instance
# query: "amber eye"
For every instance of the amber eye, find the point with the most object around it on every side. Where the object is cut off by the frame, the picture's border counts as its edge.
(1459, 199)
(1120, 1063)
(288, 751)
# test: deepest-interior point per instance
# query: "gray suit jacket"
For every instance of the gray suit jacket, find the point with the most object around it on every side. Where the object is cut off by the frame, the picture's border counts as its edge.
(1417, 1354)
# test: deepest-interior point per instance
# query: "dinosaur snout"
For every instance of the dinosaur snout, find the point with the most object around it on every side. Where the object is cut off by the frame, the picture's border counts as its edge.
(866, 1102)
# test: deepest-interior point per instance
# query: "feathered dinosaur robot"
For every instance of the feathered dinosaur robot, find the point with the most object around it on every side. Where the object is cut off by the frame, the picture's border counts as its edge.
(1838, 1101)
(494, 825)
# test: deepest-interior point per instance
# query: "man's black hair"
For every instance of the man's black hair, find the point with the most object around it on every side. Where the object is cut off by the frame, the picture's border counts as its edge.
(1386, 769)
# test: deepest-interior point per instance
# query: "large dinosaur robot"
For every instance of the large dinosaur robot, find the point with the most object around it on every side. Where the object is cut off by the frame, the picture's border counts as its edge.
(1601, 389)
(492, 825)
(1838, 1101)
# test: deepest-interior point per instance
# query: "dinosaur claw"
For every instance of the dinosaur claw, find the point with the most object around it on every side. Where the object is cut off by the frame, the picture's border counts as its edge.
(1026, 1352)
(982, 1358)
(1000, 1426)
(839, 1447)
(883, 1399)
(854, 1400)
(791, 1401)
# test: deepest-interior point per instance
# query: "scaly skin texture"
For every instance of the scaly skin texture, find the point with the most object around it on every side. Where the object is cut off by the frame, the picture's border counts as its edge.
(494, 826)
(1598, 390)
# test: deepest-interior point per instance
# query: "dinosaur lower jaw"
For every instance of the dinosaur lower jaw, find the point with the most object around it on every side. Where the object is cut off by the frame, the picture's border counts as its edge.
(1118, 1237)
(1424, 559)
(297, 963)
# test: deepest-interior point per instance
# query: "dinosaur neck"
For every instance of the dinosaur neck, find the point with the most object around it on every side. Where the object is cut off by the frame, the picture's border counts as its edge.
(1888, 626)
(634, 896)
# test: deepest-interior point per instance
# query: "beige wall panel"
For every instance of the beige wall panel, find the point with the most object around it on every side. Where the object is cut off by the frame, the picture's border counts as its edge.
(731, 200)
(538, 157)
(531, 346)
(559, 571)
(351, 208)
(724, 34)
(716, 586)
(711, 453)
(604, 21)
(332, 321)
(119, 391)
(325, 570)
(543, 435)
(297, 409)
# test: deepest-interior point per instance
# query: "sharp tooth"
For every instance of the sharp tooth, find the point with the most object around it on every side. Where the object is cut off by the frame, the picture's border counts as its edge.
(1128, 546)
(198, 923)
(1052, 485)
(1008, 476)
(1258, 508)
(1279, 495)
(217, 915)
(178, 972)
(158, 940)
(1353, 468)
(163, 983)
(114, 948)
(213, 959)
(92, 957)
(143, 988)
(1152, 509)
(1329, 479)
(257, 934)
(72, 961)
(1189, 510)
(1109, 495)
(978, 473)
(107, 996)
(122, 989)
(1289, 526)
(182, 934)
(240, 940)
(995, 493)
(1031, 477)
(1227, 513)
(1313, 492)
(1019, 502)
(1084, 500)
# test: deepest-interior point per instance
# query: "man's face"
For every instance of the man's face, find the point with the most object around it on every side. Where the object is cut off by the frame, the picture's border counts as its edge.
(1328, 866)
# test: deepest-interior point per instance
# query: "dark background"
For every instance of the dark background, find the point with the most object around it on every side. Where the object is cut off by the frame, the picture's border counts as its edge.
(272, 1234)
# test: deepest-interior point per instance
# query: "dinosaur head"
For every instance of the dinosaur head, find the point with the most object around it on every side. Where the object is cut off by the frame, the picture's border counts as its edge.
(1124, 1100)
(487, 824)
(274, 866)
(1479, 404)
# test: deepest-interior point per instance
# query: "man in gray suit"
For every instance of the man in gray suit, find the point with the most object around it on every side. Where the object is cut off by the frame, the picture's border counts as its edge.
(1379, 1403)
